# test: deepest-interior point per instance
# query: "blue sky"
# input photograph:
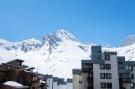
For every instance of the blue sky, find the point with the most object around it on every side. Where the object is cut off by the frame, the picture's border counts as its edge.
(99, 21)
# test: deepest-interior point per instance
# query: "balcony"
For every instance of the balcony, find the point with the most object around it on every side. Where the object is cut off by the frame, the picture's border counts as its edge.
(125, 80)
(126, 76)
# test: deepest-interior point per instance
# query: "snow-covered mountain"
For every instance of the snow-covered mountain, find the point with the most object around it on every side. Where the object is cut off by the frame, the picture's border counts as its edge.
(129, 40)
(56, 53)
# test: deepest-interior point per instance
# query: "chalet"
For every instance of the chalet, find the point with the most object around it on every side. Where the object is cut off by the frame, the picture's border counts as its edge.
(15, 71)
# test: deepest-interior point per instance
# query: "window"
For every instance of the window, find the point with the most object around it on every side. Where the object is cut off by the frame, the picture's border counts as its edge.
(103, 85)
(120, 62)
(130, 68)
(108, 75)
(107, 57)
(132, 76)
(105, 66)
(102, 75)
(98, 51)
(108, 66)
(106, 85)
(105, 75)
(109, 85)
(80, 81)
(102, 66)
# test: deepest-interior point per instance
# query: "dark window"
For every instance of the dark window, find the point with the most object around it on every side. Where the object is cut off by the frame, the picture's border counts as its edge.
(105, 76)
(98, 51)
(105, 66)
(102, 75)
(109, 85)
(107, 57)
(102, 66)
(80, 81)
(108, 75)
(106, 85)
(103, 85)
(132, 76)
(130, 68)
(108, 66)
(120, 63)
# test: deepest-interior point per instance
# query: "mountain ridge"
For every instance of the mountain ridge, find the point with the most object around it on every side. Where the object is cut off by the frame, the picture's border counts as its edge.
(56, 53)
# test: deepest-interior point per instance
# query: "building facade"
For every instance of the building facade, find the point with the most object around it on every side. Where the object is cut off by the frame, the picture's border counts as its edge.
(58, 83)
(49, 81)
(106, 70)
(62, 83)
(55, 83)
(69, 84)
(16, 72)
(77, 79)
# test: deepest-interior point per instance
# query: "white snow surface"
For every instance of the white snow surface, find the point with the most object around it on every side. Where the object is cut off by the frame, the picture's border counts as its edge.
(56, 53)
(13, 83)
(41, 81)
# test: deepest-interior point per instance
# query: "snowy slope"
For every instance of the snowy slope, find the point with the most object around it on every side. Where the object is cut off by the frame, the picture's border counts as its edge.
(56, 53)
(129, 40)
(127, 51)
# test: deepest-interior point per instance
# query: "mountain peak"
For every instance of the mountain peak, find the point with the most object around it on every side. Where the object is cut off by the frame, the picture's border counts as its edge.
(59, 36)
(65, 35)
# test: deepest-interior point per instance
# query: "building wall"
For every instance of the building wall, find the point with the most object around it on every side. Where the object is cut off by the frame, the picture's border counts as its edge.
(134, 76)
(96, 76)
(77, 82)
(62, 86)
(49, 83)
(133, 80)
(114, 71)
(6, 87)
(84, 80)
(109, 72)
(69, 86)
(55, 85)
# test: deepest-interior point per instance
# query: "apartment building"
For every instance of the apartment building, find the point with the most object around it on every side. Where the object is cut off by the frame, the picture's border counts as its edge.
(58, 83)
(105, 70)
(62, 83)
(49, 80)
(69, 84)
(15, 72)
(55, 83)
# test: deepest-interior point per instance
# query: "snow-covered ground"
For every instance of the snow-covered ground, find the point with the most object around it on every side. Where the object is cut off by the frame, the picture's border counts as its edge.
(56, 53)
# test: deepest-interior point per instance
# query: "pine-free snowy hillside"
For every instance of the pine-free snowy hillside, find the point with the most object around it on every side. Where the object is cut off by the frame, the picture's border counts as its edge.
(56, 53)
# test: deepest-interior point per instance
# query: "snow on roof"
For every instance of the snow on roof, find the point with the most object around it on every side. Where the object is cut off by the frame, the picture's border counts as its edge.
(41, 81)
(13, 83)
